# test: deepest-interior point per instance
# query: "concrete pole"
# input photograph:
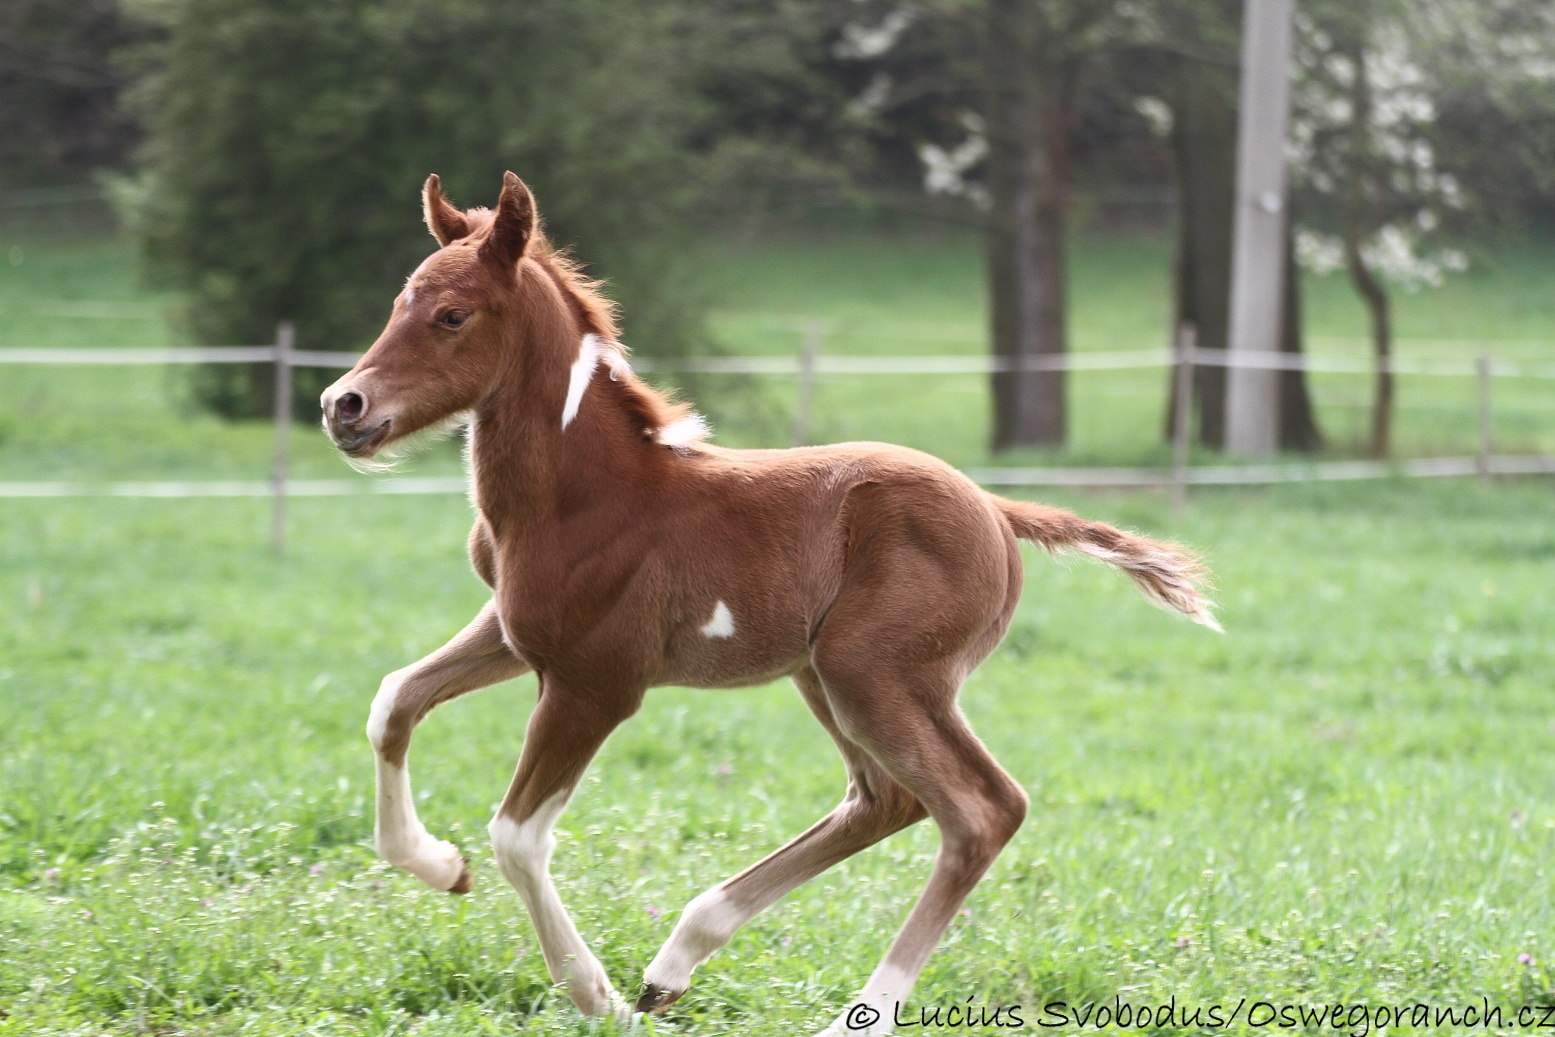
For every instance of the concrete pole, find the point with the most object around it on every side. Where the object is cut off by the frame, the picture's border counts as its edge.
(285, 339)
(1182, 416)
(1486, 426)
(813, 331)
(1258, 255)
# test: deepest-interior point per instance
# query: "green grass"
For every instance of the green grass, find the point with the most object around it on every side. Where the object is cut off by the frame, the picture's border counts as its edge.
(1347, 798)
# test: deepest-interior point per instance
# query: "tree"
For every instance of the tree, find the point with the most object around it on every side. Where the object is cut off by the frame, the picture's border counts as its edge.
(1491, 69)
(286, 141)
(59, 89)
(1367, 170)
(986, 90)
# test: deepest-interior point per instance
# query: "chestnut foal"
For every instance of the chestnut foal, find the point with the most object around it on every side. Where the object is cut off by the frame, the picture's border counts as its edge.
(624, 553)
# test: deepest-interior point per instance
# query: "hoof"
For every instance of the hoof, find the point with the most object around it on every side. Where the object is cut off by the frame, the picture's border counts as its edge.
(656, 998)
(465, 881)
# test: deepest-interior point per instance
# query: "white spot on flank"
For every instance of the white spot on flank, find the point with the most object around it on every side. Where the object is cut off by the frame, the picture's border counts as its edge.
(722, 623)
(690, 429)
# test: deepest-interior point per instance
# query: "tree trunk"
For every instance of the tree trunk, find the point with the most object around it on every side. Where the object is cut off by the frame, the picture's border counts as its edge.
(1298, 423)
(1204, 148)
(1028, 188)
(1376, 299)
(1367, 285)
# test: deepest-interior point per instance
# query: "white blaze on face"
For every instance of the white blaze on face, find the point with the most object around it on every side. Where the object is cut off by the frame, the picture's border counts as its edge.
(722, 623)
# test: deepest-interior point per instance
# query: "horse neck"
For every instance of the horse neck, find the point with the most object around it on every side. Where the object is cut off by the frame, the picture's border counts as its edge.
(528, 470)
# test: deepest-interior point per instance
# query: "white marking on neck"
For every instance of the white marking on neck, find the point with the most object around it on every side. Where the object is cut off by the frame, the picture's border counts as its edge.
(582, 371)
(591, 351)
(690, 429)
(722, 623)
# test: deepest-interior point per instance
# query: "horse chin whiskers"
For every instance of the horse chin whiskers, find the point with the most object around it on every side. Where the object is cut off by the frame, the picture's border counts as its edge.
(392, 457)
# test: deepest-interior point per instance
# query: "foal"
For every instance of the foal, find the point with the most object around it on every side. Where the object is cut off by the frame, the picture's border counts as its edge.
(625, 553)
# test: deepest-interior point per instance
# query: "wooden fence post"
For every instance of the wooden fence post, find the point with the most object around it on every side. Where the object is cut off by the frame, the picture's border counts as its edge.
(285, 338)
(1182, 415)
(808, 353)
(1486, 431)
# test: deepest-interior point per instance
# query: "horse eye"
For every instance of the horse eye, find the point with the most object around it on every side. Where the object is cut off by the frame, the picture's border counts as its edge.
(453, 318)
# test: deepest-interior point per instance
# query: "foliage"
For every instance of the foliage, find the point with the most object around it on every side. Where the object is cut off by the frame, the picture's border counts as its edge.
(1361, 147)
(59, 89)
(1364, 145)
(1492, 64)
(1442, 77)
(287, 142)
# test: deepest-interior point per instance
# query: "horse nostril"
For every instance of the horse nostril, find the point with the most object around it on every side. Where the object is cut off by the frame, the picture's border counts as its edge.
(350, 406)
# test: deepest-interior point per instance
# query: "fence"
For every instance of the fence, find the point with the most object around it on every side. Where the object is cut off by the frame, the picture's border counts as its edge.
(811, 363)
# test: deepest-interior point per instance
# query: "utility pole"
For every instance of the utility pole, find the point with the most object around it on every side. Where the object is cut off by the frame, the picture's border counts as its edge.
(285, 341)
(1258, 254)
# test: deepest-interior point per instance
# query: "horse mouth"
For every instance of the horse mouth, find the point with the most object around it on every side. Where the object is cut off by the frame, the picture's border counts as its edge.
(365, 443)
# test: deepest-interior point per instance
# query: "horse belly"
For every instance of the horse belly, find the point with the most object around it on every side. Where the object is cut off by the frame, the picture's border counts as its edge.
(735, 647)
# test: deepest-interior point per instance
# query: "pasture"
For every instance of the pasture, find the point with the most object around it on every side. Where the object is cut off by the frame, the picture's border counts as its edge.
(1345, 799)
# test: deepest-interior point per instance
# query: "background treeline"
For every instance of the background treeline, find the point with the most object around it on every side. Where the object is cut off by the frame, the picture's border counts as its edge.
(267, 152)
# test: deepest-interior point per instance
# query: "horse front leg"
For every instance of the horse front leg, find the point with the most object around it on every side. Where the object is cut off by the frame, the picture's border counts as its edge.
(475, 658)
(565, 730)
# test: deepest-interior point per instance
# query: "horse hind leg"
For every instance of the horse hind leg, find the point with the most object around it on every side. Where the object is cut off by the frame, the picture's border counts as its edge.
(874, 807)
(475, 658)
(909, 723)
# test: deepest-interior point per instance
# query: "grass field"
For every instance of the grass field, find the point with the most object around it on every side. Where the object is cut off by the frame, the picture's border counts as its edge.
(1348, 798)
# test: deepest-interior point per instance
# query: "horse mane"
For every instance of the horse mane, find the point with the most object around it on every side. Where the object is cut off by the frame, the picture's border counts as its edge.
(654, 411)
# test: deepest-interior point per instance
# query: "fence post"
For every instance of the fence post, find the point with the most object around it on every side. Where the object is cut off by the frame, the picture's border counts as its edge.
(1182, 415)
(1486, 432)
(285, 338)
(810, 350)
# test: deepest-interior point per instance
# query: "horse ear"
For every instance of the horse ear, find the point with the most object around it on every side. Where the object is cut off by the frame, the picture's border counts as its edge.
(444, 221)
(512, 226)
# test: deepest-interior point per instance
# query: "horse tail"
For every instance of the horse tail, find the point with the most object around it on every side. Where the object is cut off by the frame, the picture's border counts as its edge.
(1172, 577)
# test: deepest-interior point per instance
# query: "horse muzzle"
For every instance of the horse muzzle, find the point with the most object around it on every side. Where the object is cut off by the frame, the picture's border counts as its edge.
(347, 421)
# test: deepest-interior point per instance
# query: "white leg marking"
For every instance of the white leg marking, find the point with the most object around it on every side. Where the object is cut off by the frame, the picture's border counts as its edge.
(873, 1011)
(707, 923)
(400, 837)
(383, 705)
(722, 623)
(578, 380)
(523, 852)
